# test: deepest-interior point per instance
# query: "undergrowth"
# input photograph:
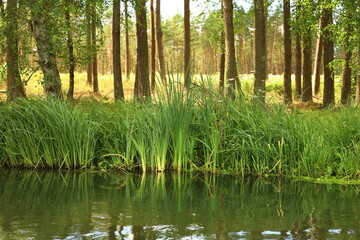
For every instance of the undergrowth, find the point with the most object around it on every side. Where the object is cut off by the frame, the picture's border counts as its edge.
(194, 130)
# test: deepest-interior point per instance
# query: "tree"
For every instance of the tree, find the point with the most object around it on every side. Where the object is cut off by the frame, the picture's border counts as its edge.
(307, 25)
(187, 40)
(142, 85)
(231, 71)
(328, 57)
(43, 29)
(287, 50)
(89, 42)
(347, 26)
(93, 37)
(317, 67)
(71, 57)
(159, 40)
(260, 50)
(15, 87)
(222, 54)
(298, 52)
(118, 88)
(153, 45)
(127, 42)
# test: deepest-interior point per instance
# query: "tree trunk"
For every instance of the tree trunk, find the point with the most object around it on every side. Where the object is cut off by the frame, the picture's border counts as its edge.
(89, 43)
(222, 64)
(42, 26)
(287, 52)
(159, 39)
(328, 57)
(187, 54)
(118, 87)
(318, 58)
(71, 57)
(346, 79)
(95, 62)
(15, 87)
(298, 57)
(153, 46)
(231, 71)
(142, 85)
(240, 52)
(357, 94)
(260, 51)
(222, 55)
(307, 68)
(127, 42)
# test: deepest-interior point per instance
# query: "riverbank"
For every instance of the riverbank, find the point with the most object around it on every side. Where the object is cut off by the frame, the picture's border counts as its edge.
(195, 131)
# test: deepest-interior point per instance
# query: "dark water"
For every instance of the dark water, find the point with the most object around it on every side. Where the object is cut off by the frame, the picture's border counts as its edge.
(54, 205)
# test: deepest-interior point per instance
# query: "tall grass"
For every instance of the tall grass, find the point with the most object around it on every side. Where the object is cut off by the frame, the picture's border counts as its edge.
(195, 129)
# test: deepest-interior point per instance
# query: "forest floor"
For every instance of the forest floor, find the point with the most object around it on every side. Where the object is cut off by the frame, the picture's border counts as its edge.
(83, 90)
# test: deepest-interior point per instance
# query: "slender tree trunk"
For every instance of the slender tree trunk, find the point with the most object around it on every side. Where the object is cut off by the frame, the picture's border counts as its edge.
(187, 50)
(222, 64)
(260, 51)
(287, 52)
(142, 85)
(153, 46)
(240, 51)
(89, 43)
(307, 68)
(159, 39)
(118, 87)
(71, 57)
(94, 42)
(298, 57)
(231, 71)
(318, 58)
(357, 94)
(127, 42)
(46, 50)
(222, 54)
(329, 89)
(346, 79)
(15, 87)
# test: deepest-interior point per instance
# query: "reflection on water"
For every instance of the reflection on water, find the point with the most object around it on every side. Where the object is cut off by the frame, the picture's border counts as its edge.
(58, 205)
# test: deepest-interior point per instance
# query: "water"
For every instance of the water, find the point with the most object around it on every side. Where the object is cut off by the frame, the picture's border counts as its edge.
(63, 205)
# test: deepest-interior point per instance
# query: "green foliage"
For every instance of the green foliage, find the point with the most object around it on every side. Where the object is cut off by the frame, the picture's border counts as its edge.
(193, 130)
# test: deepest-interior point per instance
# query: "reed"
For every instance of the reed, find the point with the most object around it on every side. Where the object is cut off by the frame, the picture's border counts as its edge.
(192, 130)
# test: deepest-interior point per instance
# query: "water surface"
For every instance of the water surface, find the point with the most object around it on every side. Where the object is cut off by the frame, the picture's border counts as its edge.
(65, 205)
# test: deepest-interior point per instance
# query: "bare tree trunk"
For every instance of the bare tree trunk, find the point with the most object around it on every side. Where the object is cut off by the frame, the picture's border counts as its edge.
(298, 57)
(260, 51)
(231, 71)
(89, 42)
(287, 52)
(222, 55)
(318, 58)
(95, 62)
(222, 64)
(240, 52)
(142, 85)
(153, 46)
(71, 57)
(307, 68)
(15, 87)
(357, 94)
(346, 79)
(187, 40)
(329, 89)
(46, 50)
(159, 39)
(127, 42)
(118, 87)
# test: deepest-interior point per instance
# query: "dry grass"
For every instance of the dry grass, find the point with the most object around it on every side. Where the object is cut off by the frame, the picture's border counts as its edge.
(274, 87)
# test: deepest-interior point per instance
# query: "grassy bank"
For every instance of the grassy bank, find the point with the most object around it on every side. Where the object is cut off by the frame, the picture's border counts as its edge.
(197, 131)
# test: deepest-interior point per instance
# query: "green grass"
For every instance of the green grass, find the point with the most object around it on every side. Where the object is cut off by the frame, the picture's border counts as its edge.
(195, 130)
